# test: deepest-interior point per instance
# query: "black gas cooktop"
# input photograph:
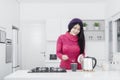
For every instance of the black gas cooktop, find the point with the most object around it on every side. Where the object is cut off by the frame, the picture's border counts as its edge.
(47, 70)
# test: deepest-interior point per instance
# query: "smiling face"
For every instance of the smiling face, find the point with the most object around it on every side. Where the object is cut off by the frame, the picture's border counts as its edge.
(75, 30)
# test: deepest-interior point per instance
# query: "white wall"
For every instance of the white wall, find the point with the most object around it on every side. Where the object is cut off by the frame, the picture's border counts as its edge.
(35, 12)
(9, 12)
(44, 11)
(9, 15)
(112, 8)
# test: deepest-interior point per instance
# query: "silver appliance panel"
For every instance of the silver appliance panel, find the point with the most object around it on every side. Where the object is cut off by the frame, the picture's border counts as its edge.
(8, 50)
(2, 36)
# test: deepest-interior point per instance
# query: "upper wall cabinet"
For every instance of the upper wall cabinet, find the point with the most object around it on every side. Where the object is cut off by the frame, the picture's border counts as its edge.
(64, 24)
(52, 29)
(56, 27)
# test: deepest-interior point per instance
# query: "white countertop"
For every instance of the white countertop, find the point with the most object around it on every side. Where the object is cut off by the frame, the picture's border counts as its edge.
(69, 75)
(53, 61)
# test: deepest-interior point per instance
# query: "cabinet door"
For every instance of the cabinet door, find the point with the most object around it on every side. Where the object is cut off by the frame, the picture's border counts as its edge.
(64, 24)
(52, 29)
(33, 45)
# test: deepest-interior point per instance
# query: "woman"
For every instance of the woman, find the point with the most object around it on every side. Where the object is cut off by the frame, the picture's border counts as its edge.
(71, 44)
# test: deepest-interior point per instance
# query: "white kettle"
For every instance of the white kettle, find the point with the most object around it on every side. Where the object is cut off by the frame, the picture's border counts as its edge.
(88, 63)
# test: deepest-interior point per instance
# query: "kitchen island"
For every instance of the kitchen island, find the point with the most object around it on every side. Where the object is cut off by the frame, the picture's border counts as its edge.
(69, 75)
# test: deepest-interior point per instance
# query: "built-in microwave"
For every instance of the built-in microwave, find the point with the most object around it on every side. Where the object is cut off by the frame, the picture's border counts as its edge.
(2, 36)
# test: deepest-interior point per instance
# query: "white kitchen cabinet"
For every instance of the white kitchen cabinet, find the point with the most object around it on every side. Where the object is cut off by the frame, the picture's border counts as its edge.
(64, 24)
(5, 68)
(9, 31)
(52, 29)
(33, 45)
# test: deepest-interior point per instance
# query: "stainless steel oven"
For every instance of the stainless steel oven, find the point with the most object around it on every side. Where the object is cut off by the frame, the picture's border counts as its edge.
(2, 36)
(8, 50)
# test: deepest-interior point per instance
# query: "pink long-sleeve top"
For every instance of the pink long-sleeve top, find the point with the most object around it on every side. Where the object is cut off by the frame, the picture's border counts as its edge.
(67, 44)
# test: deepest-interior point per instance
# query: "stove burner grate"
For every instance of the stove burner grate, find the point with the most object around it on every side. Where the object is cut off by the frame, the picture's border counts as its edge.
(46, 70)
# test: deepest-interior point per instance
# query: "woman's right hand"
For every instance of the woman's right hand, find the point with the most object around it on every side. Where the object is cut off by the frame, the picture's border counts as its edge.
(64, 57)
(80, 58)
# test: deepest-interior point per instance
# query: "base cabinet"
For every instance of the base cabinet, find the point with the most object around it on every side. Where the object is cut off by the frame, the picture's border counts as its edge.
(52, 64)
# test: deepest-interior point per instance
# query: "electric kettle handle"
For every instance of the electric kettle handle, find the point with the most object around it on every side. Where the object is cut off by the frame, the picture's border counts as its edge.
(93, 58)
(95, 62)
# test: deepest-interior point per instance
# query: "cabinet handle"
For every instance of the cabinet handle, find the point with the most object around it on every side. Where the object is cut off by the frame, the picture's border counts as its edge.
(43, 53)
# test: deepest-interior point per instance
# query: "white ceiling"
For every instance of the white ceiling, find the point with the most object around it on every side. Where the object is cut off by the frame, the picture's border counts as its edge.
(62, 1)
